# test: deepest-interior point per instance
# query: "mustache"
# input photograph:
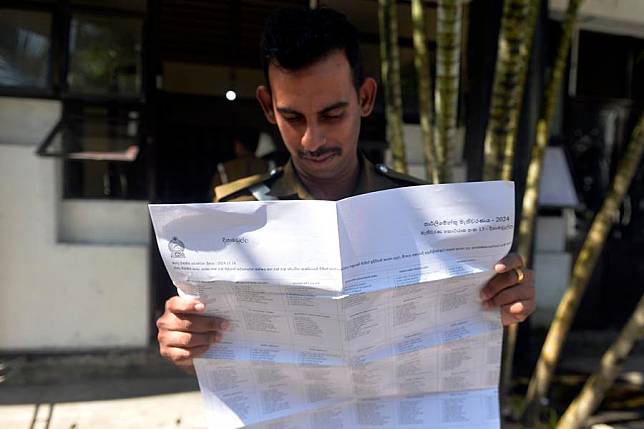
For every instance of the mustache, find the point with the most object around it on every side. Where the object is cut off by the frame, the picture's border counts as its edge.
(319, 152)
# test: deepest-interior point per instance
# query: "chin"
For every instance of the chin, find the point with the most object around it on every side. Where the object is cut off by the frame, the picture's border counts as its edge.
(324, 169)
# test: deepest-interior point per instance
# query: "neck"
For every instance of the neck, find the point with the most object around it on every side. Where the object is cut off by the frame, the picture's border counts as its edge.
(336, 187)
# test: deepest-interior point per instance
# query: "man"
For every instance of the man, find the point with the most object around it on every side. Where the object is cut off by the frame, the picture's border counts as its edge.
(245, 163)
(316, 95)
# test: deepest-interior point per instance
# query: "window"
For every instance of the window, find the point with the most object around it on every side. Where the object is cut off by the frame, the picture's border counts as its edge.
(25, 49)
(89, 57)
(105, 56)
(610, 66)
(99, 143)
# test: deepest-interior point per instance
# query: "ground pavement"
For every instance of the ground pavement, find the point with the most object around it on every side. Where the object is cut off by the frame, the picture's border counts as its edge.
(137, 389)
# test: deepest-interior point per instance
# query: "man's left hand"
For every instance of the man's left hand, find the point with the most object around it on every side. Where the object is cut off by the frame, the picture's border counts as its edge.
(510, 290)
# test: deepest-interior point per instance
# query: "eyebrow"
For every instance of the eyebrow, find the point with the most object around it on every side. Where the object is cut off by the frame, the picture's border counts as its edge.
(288, 110)
(333, 107)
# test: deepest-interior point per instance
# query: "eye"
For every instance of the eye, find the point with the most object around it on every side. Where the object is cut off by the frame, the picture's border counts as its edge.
(293, 119)
(333, 115)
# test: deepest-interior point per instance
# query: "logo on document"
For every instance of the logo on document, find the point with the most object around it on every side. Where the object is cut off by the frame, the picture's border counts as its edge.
(176, 247)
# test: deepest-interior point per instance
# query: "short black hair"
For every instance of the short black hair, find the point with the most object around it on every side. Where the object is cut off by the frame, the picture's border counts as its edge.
(295, 38)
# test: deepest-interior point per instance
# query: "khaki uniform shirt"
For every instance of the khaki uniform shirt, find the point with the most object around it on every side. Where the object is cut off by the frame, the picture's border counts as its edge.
(284, 184)
(239, 168)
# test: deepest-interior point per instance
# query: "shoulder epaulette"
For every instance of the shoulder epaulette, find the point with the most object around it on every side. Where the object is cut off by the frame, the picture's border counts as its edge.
(237, 186)
(383, 170)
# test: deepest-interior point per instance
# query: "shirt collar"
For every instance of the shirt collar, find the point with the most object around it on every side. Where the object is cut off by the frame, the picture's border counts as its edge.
(289, 186)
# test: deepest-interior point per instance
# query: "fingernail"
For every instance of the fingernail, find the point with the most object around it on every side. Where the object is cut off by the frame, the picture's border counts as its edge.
(500, 267)
(224, 325)
(214, 338)
(199, 306)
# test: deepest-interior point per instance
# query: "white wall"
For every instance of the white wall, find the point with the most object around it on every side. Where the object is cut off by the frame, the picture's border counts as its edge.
(625, 17)
(103, 222)
(26, 121)
(415, 155)
(55, 295)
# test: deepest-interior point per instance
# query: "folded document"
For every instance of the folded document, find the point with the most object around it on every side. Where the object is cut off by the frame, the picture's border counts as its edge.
(360, 313)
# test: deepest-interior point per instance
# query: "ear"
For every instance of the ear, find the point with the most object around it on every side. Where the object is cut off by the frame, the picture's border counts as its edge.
(367, 95)
(263, 95)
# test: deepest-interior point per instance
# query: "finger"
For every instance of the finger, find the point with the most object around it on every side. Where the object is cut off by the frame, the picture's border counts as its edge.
(503, 281)
(511, 295)
(187, 339)
(178, 304)
(191, 323)
(517, 311)
(183, 357)
(510, 319)
(509, 262)
(522, 307)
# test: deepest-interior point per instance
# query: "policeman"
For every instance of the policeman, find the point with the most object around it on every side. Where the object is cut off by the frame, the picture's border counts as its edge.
(283, 183)
(316, 95)
(245, 163)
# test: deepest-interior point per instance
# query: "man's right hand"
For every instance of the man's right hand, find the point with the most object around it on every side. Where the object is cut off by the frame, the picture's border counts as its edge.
(185, 333)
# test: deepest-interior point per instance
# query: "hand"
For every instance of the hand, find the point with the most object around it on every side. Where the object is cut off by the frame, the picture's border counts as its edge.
(517, 300)
(184, 333)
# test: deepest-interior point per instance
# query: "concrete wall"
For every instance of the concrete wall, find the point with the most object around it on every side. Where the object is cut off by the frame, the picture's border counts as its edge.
(56, 295)
(103, 222)
(624, 17)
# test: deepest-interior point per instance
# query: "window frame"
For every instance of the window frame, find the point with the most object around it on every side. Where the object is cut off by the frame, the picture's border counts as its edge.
(48, 92)
(68, 117)
(65, 63)
(61, 13)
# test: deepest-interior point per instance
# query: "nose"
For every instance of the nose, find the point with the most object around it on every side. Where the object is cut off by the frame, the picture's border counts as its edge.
(313, 138)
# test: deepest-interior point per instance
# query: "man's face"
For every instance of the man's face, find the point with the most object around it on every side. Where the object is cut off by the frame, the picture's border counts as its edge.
(317, 110)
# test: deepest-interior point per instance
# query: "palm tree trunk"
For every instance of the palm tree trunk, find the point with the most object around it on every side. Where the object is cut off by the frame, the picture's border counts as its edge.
(513, 58)
(513, 122)
(531, 195)
(590, 251)
(421, 61)
(448, 61)
(596, 386)
(513, 41)
(390, 71)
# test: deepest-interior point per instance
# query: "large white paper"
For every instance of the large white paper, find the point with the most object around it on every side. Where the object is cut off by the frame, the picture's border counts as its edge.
(361, 313)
